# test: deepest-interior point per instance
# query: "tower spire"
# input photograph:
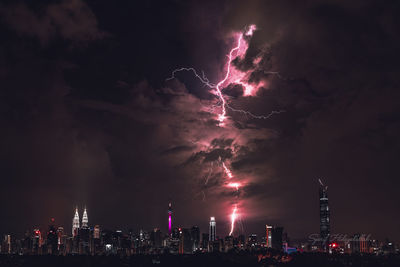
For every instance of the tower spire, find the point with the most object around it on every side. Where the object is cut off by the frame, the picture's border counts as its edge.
(169, 219)
(75, 223)
(85, 219)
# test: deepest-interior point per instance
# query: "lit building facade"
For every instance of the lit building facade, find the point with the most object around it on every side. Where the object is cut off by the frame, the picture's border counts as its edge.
(324, 215)
(268, 236)
(213, 229)
(75, 223)
(85, 219)
(273, 237)
(169, 219)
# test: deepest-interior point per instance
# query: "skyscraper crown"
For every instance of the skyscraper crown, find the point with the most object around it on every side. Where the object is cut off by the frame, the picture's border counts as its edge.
(85, 219)
(75, 223)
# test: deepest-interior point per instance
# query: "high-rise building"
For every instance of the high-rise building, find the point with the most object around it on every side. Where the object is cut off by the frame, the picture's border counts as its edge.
(169, 219)
(96, 241)
(324, 215)
(27, 243)
(213, 229)
(241, 241)
(156, 238)
(273, 238)
(268, 237)
(37, 242)
(96, 231)
(85, 219)
(75, 223)
(52, 238)
(185, 242)
(195, 234)
(61, 240)
(276, 234)
(84, 241)
(6, 244)
(204, 241)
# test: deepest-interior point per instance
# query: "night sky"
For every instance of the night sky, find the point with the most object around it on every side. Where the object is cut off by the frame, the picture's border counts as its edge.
(88, 118)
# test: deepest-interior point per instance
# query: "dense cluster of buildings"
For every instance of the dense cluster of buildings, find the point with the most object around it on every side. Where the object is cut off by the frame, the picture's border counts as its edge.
(87, 240)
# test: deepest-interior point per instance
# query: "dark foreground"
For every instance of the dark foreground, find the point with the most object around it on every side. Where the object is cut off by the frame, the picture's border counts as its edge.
(206, 260)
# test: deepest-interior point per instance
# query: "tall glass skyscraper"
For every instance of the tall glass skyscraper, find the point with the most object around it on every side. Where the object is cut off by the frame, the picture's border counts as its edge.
(85, 219)
(75, 223)
(325, 228)
(268, 237)
(213, 229)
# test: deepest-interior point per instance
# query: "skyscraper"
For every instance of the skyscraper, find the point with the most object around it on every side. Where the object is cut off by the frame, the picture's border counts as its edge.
(195, 233)
(273, 237)
(268, 237)
(37, 242)
(85, 219)
(75, 223)
(277, 237)
(61, 239)
(169, 219)
(213, 229)
(52, 239)
(96, 231)
(324, 214)
(156, 238)
(6, 245)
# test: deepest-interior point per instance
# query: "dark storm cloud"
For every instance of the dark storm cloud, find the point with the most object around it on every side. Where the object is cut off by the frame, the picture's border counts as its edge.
(46, 155)
(101, 126)
(234, 90)
(338, 68)
(70, 20)
(177, 149)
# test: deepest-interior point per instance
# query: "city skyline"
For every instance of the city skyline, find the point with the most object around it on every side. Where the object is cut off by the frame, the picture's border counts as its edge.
(94, 240)
(323, 240)
(178, 239)
(324, 226)
(156, 114)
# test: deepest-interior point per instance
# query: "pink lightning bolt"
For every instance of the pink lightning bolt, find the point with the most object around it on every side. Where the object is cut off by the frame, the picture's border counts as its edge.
(233, 219)
(222, 115)
(232, 75)
(227, 171)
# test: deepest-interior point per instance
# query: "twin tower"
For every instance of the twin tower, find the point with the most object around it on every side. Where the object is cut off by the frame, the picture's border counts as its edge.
(75, 221)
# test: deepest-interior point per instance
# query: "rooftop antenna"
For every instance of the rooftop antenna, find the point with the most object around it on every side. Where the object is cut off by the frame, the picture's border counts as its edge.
(322, 184)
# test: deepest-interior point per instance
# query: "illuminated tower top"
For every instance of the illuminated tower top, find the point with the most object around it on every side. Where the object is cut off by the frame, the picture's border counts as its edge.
(75, 223)
(85, 219)
(169, 219)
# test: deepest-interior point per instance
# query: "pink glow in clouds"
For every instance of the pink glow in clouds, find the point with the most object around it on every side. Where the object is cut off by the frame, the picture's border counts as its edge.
(237, 76)
(235, 185)
(251, 29)
(232, 75)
